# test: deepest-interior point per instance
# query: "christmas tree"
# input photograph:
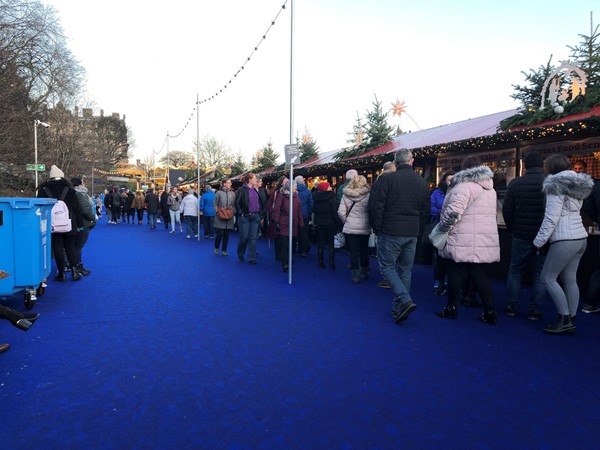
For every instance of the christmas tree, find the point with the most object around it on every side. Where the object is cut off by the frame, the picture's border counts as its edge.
(378, 130)
(265, 157)
(308, 147)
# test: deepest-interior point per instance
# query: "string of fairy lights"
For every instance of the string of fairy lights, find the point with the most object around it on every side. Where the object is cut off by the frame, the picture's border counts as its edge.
(225, 85)
(579, 128)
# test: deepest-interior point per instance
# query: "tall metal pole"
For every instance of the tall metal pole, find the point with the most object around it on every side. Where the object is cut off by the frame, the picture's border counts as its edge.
(167, 179)
(198, 157)
(291, 138)
(35, 124)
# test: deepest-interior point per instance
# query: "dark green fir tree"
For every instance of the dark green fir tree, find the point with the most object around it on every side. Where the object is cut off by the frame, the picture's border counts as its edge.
(357, 135)
(308, 147)
(238, 166)
(378, 130)
(587, 57)
(264, 158)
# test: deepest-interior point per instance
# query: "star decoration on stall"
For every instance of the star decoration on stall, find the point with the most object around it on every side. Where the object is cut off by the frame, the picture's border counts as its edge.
(398, 108)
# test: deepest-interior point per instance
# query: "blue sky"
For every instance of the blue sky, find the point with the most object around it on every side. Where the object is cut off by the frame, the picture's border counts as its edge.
(449, 61)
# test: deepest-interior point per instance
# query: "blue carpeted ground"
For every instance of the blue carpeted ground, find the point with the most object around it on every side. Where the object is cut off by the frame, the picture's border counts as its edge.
(166, 346)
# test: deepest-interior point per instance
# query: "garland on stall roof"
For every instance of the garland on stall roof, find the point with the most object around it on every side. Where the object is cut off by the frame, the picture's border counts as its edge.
(589, 126)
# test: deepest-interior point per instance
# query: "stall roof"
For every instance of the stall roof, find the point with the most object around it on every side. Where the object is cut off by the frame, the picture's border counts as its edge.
(458, 131)
(595, 111)
(321, 158)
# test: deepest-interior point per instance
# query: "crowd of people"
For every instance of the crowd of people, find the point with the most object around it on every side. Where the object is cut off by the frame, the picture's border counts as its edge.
(544, 210)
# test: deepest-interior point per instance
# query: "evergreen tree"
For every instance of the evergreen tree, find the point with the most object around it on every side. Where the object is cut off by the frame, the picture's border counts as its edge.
(238, 166)
(530, 95)
(265, 157)
(378, 130)
(357, 134)
(308, 147)
(587, 55)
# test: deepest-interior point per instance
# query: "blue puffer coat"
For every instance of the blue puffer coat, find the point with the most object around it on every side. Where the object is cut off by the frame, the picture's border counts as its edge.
(306, 200)
(207, 204)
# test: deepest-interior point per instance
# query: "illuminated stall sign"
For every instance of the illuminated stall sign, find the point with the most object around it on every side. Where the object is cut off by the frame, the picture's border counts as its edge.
(568, 148)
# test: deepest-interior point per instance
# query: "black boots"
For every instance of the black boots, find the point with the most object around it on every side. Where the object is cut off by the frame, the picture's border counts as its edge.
(82, 270)
(321, 256)
(565, 325)
(449, 312)
(489, 316)
(60, 276)
(23, 321)
(75, 275)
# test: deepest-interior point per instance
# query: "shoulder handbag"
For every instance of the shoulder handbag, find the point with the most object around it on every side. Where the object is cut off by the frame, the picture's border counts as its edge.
(438, 238)
(427, 229)
(225, 212)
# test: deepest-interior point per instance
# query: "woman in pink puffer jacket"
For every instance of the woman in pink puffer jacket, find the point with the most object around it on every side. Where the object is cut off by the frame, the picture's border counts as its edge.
(469, 213)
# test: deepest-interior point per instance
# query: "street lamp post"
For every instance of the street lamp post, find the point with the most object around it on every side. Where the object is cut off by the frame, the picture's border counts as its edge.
(35, 125)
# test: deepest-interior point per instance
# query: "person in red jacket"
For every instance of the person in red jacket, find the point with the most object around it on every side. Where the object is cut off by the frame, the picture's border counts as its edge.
(281, 216)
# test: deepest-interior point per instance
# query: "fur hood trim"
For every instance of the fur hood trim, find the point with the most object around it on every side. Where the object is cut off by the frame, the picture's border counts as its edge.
(357, 192)
(478, 174)
(567, 182)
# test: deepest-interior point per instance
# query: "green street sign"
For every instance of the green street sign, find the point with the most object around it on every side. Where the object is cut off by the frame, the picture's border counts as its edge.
(40, 167)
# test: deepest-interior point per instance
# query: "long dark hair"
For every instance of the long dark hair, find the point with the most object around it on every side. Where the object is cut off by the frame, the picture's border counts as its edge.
(556, 163)
(471, 161)
(280, 182)
(442, 185)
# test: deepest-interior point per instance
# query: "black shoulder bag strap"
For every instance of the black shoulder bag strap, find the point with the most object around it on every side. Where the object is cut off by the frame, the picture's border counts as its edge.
(349, 209)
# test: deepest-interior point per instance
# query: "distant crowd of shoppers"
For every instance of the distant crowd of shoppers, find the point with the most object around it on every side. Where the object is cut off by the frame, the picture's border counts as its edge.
(544, 210)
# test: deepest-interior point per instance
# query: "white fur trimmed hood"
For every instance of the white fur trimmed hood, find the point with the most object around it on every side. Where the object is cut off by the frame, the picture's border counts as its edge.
(482, 175)
(567, 182)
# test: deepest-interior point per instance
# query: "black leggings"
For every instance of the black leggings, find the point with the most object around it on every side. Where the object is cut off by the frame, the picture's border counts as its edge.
(358, 245)
(65, 244)
(478, 275)
(224, 235)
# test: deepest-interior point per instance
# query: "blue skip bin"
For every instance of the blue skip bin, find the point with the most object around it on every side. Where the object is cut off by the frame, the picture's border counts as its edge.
(25, 248)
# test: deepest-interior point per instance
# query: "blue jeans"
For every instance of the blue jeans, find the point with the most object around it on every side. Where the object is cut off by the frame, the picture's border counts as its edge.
(522, 252)
(248, 228)
(209, 226)
(396, 255)
(175, 219)
(152, 220)
(191, 225)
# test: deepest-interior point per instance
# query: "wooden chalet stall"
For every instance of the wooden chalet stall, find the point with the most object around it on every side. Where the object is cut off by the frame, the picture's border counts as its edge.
(445, 147)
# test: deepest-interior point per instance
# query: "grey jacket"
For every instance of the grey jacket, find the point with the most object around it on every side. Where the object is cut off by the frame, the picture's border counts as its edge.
(224, 198)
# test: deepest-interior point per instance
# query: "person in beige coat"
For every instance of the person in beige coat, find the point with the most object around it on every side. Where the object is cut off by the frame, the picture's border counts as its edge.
(138, 204)
(354, 214)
